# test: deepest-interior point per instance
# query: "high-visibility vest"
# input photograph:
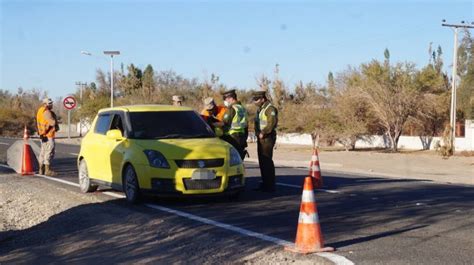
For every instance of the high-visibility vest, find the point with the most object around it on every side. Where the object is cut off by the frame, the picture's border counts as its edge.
(262, 119)
(239, 121)
(43, 125)
(219, 116)
(220, 113)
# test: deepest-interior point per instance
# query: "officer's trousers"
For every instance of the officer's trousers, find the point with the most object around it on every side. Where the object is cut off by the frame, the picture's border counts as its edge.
(265, 160)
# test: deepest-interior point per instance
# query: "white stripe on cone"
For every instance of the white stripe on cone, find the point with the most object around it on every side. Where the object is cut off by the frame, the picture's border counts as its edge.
(308, 196)
(315, 168)
(314, 158)
(308, 218)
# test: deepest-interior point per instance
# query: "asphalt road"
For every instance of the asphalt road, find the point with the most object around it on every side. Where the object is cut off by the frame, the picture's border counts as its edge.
(369, 220)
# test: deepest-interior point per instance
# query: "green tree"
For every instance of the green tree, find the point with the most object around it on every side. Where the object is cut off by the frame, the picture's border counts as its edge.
(148, 81)
(391, 94)
(465, 90)
(133, 81)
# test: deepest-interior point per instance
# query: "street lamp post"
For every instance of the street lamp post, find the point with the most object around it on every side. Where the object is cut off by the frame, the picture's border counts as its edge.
(111, 53)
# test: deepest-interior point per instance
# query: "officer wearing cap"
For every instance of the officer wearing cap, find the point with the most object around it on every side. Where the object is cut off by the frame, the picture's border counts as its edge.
(235, 122)
(47, 125)
(177, 100)
(266, 121)
(213, 115)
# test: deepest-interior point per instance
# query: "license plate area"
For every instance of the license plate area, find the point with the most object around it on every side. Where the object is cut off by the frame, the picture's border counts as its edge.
(203, 174)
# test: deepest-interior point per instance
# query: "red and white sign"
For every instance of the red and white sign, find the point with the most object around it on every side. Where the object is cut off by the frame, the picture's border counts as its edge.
(69, 102)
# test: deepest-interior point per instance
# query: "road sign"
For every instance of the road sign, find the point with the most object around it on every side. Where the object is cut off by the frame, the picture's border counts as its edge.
(70, 103)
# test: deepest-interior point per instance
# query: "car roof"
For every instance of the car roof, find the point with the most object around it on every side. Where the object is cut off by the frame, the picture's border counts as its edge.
(145, 108)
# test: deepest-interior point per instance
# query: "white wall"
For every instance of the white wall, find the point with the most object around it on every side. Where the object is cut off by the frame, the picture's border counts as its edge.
(406, 142)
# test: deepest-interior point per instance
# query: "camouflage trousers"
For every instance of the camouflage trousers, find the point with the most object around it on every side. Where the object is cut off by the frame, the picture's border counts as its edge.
(47, 151)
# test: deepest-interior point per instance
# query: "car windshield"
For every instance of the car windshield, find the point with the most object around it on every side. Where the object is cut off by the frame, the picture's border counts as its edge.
(169, 125)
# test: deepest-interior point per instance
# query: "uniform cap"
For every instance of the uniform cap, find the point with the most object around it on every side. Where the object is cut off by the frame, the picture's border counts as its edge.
(48, 101)
(177, 98)
(209, 103)
(229, 93)
(259, 94)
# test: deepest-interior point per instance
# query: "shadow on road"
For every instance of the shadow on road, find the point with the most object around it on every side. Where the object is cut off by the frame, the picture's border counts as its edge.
(115, 232)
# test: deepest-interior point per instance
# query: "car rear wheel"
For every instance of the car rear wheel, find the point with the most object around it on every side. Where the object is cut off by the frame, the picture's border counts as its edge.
(85, 183)
(130, 185)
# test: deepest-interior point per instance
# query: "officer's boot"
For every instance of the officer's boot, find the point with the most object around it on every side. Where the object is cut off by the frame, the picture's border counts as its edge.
(48, 171)
(41, 169)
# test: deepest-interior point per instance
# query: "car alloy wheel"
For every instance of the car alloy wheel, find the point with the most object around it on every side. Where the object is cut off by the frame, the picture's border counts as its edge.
(131, 188)
(84, 181)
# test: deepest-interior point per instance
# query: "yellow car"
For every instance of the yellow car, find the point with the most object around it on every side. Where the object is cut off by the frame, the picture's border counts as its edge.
(160, 150)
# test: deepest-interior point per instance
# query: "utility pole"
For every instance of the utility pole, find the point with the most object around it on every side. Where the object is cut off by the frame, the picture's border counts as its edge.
(81, 88)
(452, 116)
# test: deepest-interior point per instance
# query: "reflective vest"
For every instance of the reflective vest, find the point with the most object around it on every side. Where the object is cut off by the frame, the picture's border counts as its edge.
(262, 119)
(42, 124)
(239, 121)
(220, 113)
(219, 116)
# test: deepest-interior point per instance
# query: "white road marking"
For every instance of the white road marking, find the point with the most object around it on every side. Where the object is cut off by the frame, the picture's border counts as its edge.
(113, 194)
(74, 154)
(301, 187)
(4, 143)
(337, 259)
(59, 180)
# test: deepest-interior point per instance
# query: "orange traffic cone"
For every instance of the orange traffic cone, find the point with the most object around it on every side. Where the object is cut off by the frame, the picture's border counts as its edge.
(309, 238)
(315, 170)
(27, 163)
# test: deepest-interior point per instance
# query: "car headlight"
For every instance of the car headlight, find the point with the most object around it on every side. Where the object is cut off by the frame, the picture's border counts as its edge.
(234, 157)
(156, 159)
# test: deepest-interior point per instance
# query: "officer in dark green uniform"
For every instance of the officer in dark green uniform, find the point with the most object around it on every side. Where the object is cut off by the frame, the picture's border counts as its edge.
(235, 122)
(266, 122)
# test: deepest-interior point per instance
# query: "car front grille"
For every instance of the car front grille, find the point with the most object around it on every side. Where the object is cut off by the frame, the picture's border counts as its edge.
(191, 184)
(200, 163)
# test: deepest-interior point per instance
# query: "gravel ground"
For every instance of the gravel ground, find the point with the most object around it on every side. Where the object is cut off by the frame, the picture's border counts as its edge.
(42, 222)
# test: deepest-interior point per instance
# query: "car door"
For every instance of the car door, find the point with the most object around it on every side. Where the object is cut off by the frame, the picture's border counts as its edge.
(115, 150)
(96, 156)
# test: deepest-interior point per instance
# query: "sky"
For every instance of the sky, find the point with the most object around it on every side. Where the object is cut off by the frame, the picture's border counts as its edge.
(41, 41)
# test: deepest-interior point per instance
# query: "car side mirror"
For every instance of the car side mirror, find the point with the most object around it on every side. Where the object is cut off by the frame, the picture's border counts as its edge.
(114, 135)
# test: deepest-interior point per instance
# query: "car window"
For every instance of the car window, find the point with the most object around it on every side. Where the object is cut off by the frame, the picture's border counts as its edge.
(168, 125)
(117, 123)
(102, 125)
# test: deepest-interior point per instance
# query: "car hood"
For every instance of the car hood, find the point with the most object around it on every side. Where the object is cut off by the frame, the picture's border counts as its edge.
(202, 148)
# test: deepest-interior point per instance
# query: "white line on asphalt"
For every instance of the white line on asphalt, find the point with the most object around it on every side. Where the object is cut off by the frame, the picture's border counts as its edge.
(5, 143)
(113, 194)
(74, 154)
(58, 180)
(301, 187)
(337, 259)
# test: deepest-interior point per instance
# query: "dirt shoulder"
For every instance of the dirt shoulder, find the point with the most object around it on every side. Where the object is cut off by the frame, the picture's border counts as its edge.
(407, 165)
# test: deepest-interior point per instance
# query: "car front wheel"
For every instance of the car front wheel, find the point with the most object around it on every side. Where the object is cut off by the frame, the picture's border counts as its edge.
(85, 183)
(130, 185)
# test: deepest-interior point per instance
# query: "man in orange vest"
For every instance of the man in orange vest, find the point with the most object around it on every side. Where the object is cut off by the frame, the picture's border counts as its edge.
(47, 125)
(213, 115)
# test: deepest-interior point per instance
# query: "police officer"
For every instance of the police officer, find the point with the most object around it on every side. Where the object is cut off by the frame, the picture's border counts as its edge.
(47, 124)
(266, 122)
(177, 100)
(235, 122)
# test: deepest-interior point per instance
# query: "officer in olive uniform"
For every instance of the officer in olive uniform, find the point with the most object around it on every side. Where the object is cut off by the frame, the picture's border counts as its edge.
(235, 122)
(266, 122)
